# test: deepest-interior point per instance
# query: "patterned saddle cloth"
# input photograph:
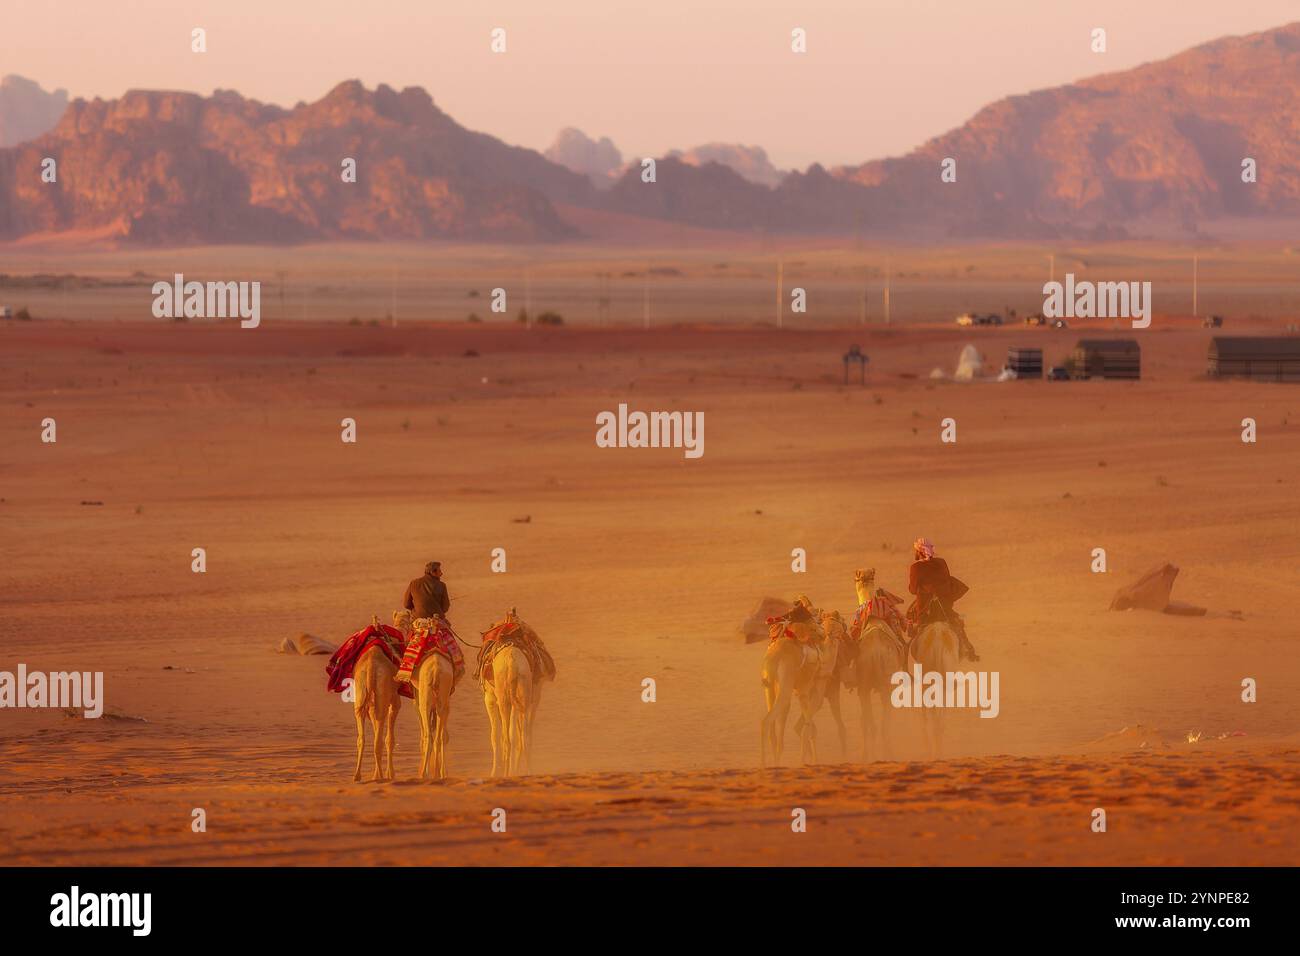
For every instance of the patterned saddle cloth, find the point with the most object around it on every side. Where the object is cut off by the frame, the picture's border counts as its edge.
(514, 634)
(431, 635)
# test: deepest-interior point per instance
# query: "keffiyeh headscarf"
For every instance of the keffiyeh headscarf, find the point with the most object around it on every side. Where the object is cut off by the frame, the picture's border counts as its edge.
(925, 548)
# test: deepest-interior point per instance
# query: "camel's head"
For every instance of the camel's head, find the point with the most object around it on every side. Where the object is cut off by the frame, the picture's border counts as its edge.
(402, 621)
(512, 616)
(864, 580)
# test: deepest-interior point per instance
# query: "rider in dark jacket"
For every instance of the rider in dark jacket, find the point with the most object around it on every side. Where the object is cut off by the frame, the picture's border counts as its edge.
(427, 596)
(936, 591)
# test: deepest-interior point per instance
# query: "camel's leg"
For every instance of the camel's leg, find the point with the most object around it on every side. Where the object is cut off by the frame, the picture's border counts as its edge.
(766, 727)
(444, 712)
(521, 726)
(530, 718)
(377, 732)
(390, 741)
(833, 699)
(782, 716)
(490, 705)
(886, 745)
(426, 737)
(361, 745)
(503, 727)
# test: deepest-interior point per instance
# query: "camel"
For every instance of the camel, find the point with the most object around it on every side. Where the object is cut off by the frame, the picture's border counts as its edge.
(433, 679)
(880, 655)
(511, 699)
(376, 698)
(799, 667)
(938, 650)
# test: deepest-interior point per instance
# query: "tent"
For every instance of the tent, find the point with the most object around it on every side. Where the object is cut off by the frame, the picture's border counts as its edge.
(970, 365)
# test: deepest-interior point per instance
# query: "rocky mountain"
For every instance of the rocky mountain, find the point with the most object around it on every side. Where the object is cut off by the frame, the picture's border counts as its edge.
(1158, 147)
(163, 167)
(26, 110)
(1163, 142)
(598, 160)
(750, 162)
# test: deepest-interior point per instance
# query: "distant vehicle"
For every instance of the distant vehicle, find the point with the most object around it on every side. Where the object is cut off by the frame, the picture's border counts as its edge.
(1057, 374)
(988, 318)
(1035, 319)
(1214, 322)
(1060, 324)
(965, 319)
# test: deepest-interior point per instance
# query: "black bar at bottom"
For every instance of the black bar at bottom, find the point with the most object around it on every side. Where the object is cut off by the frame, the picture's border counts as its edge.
(326, 905)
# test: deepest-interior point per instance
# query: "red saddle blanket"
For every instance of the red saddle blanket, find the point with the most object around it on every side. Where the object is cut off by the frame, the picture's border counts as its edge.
(883, 606)
(434, 637)
(344, 660)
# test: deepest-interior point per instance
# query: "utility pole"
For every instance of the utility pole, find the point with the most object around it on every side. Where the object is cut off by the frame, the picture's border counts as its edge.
(887, 271)
(1195, 285)
(780, 291)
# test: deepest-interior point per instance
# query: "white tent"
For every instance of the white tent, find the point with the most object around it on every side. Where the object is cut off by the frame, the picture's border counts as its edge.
(970, 365)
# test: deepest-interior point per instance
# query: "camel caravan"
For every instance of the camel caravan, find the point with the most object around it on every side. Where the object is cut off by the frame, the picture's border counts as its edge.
(813, 654)
(418, 657)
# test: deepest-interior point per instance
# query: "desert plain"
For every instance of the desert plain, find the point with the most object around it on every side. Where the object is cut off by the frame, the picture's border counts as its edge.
(636, 564)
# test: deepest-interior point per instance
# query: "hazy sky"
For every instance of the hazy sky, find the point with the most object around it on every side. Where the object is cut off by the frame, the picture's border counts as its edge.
(879, 77)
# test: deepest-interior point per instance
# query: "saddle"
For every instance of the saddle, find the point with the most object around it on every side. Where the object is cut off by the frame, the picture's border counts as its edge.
(514, 634)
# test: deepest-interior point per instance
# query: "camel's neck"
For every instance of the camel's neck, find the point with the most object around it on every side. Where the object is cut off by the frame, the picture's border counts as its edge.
(863, 595)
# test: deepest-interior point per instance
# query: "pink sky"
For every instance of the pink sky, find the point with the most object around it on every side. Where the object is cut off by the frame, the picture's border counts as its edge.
(880, 76)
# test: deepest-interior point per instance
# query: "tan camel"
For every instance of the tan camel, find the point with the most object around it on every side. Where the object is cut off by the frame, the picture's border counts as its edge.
(879, 656)
(511, 699)
(798, 667)
(938, 650)
(433, 678)
(376, 698)
(835, 628)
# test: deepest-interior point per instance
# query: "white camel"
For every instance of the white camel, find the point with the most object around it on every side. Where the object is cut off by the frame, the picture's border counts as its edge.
(880, 655)
(434, 678)
(511, 698)
(376, 698)
(938, 650)
(798, 667)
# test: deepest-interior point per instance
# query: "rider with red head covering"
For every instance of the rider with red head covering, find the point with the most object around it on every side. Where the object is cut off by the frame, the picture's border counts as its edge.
(936, 591)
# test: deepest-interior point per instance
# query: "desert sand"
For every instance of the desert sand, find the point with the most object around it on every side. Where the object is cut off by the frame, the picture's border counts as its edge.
(635, 564)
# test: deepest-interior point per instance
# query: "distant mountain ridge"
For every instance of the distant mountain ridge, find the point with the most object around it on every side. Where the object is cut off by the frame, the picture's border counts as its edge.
(26, 110)
(1163, 143)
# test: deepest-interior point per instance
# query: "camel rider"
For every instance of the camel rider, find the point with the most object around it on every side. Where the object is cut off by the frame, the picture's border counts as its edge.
(427, 596)
(936, 591)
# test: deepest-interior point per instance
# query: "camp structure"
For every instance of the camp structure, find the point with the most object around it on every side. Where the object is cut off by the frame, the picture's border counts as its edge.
(1274, 358)
(970, 365)
(1025, 362)
(1106, 358)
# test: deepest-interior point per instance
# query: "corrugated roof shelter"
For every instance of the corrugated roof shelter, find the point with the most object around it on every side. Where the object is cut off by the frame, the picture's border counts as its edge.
(1025, 362)
(1271, 358)
(1106, 358)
